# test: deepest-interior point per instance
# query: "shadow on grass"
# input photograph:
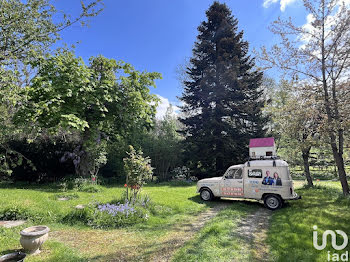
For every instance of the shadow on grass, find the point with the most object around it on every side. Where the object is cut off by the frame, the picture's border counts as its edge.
(147, 252)
(226, 201)
(55, 187)
(164, 249)
(50, 188)
(9, 251)
(171, 184)
(291, 228)
(219, 239)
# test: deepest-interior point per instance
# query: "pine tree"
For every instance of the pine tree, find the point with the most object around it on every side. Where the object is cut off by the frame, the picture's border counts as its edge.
(222, 96)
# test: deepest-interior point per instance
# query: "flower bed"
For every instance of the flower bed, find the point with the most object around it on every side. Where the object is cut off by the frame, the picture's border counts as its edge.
(111, 215)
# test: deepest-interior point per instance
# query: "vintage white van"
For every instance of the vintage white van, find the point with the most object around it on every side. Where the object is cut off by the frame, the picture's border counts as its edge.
(267, 180)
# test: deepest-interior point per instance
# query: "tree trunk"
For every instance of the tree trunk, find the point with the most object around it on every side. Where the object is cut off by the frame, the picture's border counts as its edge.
(85, 167)
(86, 163)
(337, 152)
(166, 174)
(339, 161)
(306, 154)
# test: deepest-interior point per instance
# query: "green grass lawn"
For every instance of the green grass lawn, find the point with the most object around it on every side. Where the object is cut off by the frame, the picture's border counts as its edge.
(174, 203)
(291, 228)
(289, 236)
(290, 232)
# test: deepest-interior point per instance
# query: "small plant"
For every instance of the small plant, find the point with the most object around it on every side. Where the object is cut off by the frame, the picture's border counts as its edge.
(138, 170)
(63, 186)
(79, 216)
(94, 179)
(90, 189)
(19, 213)
(13, 213)
(145, 201)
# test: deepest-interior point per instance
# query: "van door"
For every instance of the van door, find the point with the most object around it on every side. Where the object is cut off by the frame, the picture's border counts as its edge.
(232, 183)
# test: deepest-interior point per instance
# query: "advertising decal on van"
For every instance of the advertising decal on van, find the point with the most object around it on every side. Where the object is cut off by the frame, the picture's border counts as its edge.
(274, 180)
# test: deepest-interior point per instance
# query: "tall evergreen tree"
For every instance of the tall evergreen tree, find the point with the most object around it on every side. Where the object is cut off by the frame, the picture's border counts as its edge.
(222, 96)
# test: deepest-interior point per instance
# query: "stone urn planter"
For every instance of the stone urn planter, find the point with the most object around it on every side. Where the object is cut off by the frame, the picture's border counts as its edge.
(33, 237)
(13, 257)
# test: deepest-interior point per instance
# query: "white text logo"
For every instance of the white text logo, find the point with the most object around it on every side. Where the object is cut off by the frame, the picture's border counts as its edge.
(330, 256)
(334, 239)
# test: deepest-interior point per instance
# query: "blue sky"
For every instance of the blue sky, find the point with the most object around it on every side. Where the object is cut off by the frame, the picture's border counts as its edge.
(158, 35)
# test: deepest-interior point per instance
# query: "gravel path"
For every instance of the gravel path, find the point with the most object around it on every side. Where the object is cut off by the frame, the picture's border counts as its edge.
(185, 232)
(253, 229)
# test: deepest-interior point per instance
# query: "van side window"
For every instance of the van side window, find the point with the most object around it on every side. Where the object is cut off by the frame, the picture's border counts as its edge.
(238, 174)
(230, 174)
(255, 173)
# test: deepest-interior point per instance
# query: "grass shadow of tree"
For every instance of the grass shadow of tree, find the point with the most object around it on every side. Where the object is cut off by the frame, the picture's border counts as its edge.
(221, 201)
(50, 188)
(291, 230)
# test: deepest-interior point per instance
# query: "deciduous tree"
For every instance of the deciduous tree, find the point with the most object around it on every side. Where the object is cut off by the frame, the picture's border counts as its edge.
(294, 113)
(319, 52)
(164, 145)
(27, 31)
(102, 100)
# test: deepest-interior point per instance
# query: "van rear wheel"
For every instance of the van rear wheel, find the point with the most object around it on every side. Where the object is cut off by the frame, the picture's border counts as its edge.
(272, 202)
(206, 194)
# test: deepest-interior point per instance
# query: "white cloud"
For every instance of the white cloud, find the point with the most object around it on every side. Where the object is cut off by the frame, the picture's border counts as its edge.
(330, 21)
(267, 3)
(283, 3)
(308, 27)
(163, 106)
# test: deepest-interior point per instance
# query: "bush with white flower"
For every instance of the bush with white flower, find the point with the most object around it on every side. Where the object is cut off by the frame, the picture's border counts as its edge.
(181, 173)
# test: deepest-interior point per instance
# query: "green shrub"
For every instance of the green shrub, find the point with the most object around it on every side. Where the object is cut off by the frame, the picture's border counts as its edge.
(18, 213)
(79, 216)
(79, 184)
(13, 213)
(90, 189)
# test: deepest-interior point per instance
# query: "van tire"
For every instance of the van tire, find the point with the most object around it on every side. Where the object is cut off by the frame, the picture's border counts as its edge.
(206, 194)
(272, 202)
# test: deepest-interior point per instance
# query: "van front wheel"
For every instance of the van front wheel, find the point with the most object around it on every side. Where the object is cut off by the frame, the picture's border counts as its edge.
(206, 194)
(272, 202)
